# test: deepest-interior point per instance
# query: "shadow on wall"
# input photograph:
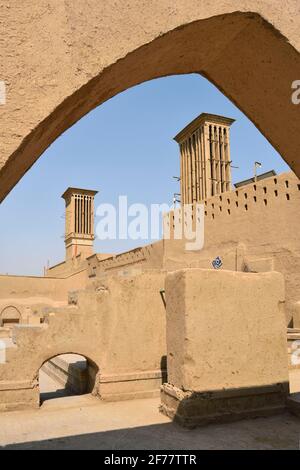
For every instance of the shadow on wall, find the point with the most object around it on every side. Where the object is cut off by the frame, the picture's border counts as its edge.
(67, 375)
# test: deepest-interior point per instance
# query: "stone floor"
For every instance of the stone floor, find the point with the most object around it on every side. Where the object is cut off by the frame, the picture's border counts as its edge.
(50, 389)
(83, 422)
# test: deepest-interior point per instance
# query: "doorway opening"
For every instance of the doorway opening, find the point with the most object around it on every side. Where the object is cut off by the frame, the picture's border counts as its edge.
(9, 316)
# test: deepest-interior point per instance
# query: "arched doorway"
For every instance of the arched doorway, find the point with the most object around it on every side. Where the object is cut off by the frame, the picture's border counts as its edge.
(66, 375)
(227, 49)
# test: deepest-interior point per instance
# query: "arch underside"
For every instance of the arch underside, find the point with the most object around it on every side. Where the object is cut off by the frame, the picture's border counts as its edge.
(242, 54)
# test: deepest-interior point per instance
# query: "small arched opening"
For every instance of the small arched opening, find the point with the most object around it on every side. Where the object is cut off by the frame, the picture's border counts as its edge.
(9, 316)
(66, 375)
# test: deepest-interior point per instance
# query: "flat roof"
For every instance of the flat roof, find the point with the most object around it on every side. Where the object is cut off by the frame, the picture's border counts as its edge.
(267, 174)
(203, 117)
(69, 191)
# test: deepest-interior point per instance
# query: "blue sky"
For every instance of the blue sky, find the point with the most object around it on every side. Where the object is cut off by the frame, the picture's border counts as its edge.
(123, 147)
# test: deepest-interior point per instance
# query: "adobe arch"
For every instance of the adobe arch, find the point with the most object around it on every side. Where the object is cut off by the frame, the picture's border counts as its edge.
(9, 316)
(85, 63)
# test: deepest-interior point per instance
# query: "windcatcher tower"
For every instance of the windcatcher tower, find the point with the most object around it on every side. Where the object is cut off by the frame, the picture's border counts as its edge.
(79, 233)
(204, 158)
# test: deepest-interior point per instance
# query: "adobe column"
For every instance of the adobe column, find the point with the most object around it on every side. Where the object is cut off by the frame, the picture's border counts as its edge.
(226, 355)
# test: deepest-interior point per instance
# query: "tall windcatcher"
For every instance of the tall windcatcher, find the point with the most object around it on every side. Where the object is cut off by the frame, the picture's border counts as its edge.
(204, 158)
(79, 221)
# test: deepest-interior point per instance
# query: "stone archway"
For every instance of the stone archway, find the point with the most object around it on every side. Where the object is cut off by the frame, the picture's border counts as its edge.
(85, 55)
(10, 316)
(67, 374)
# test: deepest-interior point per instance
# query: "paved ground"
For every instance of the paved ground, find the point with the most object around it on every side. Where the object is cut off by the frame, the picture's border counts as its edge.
(83, 422)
